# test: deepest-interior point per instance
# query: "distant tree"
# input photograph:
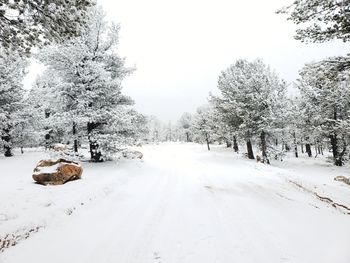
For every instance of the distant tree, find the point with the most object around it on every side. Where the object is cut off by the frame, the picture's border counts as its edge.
(204, 126)
(249, 90)
(155, 129)
(228, 120)
(185, 123)
(11, 95)
(323, 20)
(27, 23)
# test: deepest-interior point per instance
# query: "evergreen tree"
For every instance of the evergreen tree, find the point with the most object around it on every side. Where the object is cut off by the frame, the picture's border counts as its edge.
(90, 73)
(11, 95)
(323, 20)
(26, 23)
(184, 124)
(249, 90)
(204, 126)
(326, 101)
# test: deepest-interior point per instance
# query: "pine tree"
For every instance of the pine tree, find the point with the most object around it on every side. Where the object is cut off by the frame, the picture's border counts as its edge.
(324, 20)
(91, 72)
(27, 23)
(249, 90)
(184, 124)
(204, 126)
(11, 95)
(326, 101)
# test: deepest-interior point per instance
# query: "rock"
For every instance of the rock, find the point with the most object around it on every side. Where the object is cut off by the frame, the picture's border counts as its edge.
(342, 179)
(258, 159)
(131, 154)
(59, 147)
(56, 171)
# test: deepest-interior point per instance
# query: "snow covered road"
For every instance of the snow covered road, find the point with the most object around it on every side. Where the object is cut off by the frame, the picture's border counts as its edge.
(180, 204)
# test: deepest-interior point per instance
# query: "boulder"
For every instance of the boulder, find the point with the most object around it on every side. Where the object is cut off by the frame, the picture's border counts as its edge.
(56, 171)
(59, 147)
(342, 179)
(131, 154)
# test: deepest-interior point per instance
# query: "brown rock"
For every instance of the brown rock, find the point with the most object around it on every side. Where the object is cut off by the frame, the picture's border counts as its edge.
(56, 171)
(342, 179)
(258, 159)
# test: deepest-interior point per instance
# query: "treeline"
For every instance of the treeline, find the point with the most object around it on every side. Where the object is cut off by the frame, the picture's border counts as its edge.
(253, 106)
(78, 99)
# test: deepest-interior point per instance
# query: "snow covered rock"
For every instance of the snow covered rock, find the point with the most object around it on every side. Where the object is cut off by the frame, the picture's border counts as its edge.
(59, 147)
(131, 154)
(342, 179)
(57, 171)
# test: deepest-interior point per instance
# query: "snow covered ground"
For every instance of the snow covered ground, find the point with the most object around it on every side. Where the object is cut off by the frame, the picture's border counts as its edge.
(181, 203)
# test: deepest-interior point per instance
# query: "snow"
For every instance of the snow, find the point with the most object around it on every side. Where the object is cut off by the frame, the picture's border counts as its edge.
(47, 169)
(180, 203)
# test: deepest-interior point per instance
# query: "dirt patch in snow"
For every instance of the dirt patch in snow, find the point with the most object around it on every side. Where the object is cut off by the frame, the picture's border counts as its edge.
(341, 207)
(11, 240)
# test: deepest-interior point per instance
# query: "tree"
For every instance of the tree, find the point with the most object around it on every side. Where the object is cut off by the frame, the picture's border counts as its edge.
(45, 105)
(185, 123)
(11, 94)
(204, 126)
(27, 23)
(324, 20)
(91, 72)
(228, 120)
(249, 90)
(326, 98)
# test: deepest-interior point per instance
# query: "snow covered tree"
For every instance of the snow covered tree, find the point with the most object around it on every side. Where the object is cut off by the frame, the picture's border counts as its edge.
(323, 19)
(249, 90)
(26, 23)
(45, 104)
(184, 124)
(11, 94)
(325, 95)
(155, 129)
(228, 121)
(204, 126)
(91, 72)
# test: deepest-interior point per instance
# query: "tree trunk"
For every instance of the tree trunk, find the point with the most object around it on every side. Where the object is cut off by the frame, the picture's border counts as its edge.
(95, 154)
(264, 147)
(316, 152)
(228, 144)
(308, 149)
(207, 140)
(22, 152)
(235, 144)
(295, 145)
(302, 147)
(187, 136)
(286, 146)
(6, 137)
(74, 136)
(250, 149)
(337, 158)
(47, 134)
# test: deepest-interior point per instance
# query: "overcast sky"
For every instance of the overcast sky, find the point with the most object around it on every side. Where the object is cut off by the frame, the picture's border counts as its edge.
(180, 47)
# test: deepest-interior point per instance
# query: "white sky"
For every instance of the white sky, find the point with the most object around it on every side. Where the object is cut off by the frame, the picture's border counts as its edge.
(180, 47)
